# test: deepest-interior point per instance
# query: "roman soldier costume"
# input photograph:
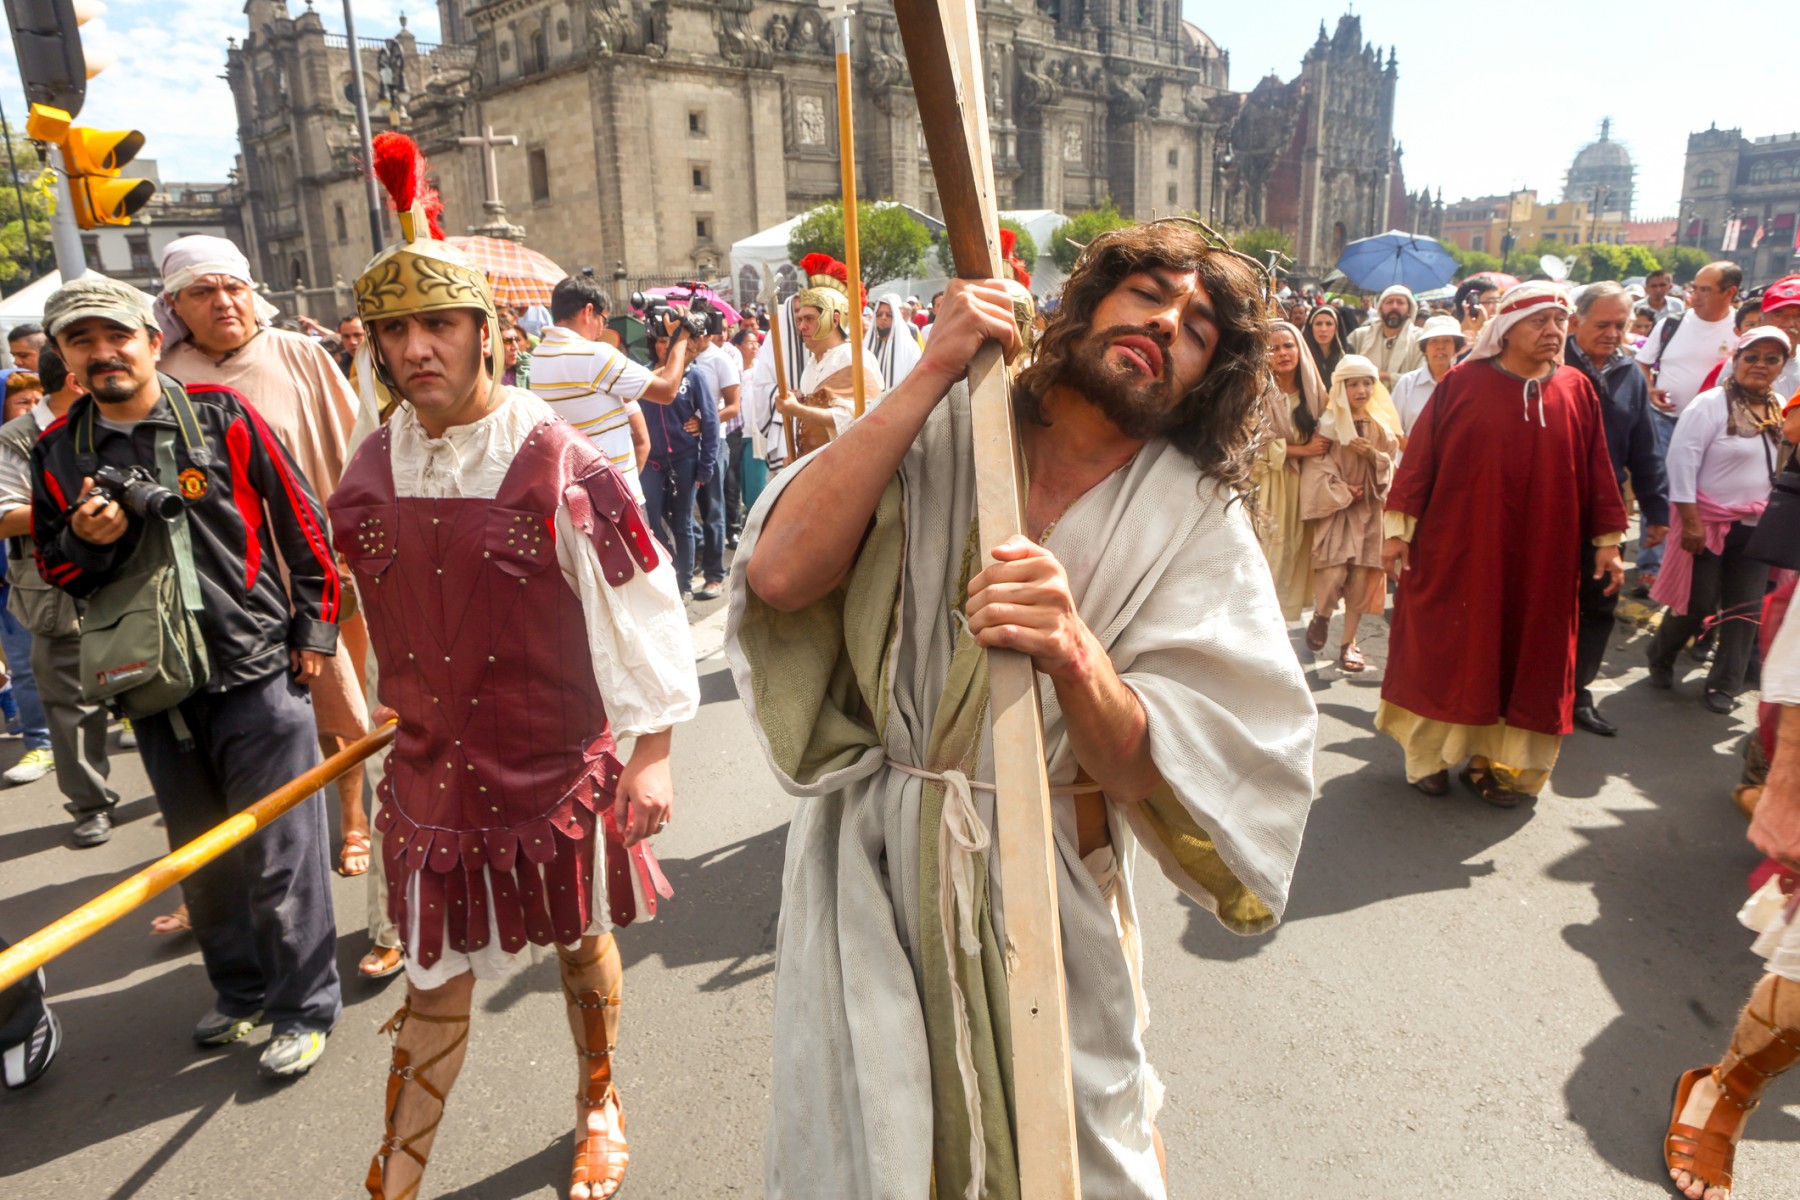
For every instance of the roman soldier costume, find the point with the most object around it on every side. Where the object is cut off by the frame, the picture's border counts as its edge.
(497, 802)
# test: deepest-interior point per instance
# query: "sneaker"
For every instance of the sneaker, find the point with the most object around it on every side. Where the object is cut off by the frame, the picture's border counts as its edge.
(32, 767)
(127, 736)
(292, 1054)
(24, 1061)
(217, 1029)
(711, 591)
(95, 829)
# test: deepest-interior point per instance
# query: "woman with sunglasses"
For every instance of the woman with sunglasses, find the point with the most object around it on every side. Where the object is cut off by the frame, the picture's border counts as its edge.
(1722, 460)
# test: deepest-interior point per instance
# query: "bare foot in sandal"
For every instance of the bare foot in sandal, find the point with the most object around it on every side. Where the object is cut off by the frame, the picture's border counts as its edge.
(174, 922)
(353, 859)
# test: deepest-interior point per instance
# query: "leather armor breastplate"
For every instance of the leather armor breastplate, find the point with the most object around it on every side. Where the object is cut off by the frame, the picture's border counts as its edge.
(503, 755)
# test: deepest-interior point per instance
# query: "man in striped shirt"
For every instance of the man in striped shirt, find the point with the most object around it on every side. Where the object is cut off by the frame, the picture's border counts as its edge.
(595, 387)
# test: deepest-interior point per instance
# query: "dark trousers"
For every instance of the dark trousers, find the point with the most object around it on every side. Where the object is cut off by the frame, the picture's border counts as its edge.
(712, 533)
(1595, 627)
(1728, 584)
(77, 730)
(669, 499)
(261, 911)
(734, 484)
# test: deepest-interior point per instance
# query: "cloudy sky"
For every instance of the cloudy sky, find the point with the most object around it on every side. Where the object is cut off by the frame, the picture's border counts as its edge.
(1556, 66)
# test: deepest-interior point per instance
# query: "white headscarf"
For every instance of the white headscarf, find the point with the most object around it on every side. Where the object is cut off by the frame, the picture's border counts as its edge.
(900, 353)
(1339, 421)
(196, 256)
(1526, 300)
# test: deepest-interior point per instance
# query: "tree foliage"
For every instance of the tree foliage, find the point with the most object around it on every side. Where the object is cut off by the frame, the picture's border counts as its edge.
(35, 183)
(1083, 227)
(1026, 248)
(1471, 262)
(893, 245)
(1683, 261)
(1259, 241)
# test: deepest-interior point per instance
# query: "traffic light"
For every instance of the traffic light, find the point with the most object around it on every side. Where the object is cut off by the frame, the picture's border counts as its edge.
(92, 159)
(55, 68)
(47, 36)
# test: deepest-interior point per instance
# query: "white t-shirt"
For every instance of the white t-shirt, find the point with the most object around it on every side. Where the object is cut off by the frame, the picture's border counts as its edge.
(1411, 391)
(1781, 669)
(727, 368)
(1704, 456)
(1695, 349)
(595, 388)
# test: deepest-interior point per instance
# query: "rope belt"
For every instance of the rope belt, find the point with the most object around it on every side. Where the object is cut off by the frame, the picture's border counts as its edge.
(961, 839)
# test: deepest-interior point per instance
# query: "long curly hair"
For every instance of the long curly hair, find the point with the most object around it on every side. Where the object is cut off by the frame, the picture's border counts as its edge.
(1219, 423)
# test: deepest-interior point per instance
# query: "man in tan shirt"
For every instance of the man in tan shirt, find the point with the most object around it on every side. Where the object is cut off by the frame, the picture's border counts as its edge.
(213, 332)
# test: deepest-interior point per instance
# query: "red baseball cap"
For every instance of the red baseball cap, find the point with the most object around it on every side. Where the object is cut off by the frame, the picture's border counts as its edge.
(1783, 293)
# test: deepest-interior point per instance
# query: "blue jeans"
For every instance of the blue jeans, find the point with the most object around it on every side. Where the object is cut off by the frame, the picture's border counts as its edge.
(669, 497)
(712, 534)
(1649, 561)
(16, 639)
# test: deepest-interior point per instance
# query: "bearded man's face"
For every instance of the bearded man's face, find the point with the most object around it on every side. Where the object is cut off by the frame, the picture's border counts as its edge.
(1148, 344)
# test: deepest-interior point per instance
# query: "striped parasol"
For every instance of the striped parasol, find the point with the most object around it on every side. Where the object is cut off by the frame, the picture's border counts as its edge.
(520, 278)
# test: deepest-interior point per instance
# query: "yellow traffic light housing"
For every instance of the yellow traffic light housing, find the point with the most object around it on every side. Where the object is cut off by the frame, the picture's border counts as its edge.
(92, 160)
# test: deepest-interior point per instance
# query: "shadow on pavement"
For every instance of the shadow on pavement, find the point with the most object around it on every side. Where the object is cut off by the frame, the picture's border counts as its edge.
(36, 839)
(1668, 882)
(1386, 841)
(525, 1178)
(738, 887)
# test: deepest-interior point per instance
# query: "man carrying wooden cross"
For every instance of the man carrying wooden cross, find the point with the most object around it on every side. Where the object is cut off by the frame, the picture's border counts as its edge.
(1175, 716)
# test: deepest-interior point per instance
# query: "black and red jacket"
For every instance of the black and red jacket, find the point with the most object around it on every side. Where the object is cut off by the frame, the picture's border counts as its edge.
(242, 504)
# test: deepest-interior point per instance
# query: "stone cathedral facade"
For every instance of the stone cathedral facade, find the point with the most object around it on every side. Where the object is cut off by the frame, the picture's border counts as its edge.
(651, 134)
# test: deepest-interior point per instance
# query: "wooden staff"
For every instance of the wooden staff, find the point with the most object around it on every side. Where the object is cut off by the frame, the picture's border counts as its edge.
(18, 961)
(787, 422)
(945, 59)
(852, 247)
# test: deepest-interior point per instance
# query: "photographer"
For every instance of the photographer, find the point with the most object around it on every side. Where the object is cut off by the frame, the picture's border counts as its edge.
(261, 912)
(592, 385)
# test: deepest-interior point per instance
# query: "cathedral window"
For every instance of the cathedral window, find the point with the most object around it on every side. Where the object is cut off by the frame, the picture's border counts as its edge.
(538, 162)
(1175, 158)
(337, 217)
(1172, 194)
(703, 229)
(1759, 173)
(697, 122)
(702, 175)
(1706, 179)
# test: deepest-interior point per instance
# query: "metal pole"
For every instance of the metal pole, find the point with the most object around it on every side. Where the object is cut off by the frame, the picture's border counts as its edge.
(24, 218)
(370, 188)
(65, 235)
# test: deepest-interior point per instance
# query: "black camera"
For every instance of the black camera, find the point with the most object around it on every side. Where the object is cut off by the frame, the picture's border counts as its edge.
(700, 317)
(136, 490)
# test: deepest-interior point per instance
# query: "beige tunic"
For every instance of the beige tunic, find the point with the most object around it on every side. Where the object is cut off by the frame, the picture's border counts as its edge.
(295, 387)
(1346, 530)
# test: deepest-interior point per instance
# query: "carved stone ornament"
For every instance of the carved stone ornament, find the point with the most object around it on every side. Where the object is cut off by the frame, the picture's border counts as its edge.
(1073, 139)
(613, 27)
(809, 119)
(778, 32)
(1037, 88)
(739, 43)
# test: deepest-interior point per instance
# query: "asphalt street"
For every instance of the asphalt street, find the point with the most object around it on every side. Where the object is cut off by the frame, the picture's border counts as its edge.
(1462, 1002)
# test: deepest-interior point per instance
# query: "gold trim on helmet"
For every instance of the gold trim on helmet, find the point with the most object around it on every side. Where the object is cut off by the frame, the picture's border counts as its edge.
(421, 274)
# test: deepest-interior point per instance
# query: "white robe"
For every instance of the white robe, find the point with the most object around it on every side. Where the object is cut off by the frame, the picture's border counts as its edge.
(1170, 578)
(898, 353)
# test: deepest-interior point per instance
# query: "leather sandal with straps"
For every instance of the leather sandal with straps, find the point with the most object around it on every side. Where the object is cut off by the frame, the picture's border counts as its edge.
(1707, 1152)
(402, 1072)
(600, 1158)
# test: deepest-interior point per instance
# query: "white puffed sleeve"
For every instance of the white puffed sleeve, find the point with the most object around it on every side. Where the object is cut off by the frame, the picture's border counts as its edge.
(638, 639)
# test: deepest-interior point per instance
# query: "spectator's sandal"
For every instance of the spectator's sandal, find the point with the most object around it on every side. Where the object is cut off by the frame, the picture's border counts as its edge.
(600, 1157)
(380, 962)
(402, 1072)
(1350, 658)
(1707, 1152)
(172, 922)
(1317, 630)
(353, 859)
(1484, 783)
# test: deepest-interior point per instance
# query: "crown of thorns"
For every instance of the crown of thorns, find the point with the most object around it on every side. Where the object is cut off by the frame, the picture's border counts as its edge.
(1213, 238)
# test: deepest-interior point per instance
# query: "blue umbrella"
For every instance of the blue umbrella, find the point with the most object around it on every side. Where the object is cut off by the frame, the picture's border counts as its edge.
(1410, 259)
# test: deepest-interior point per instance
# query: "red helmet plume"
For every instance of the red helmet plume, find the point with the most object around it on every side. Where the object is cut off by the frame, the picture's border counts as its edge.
(1008, 239)
(401, 168)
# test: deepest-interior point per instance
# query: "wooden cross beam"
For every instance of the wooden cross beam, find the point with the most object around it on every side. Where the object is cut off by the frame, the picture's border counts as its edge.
(944, 55)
